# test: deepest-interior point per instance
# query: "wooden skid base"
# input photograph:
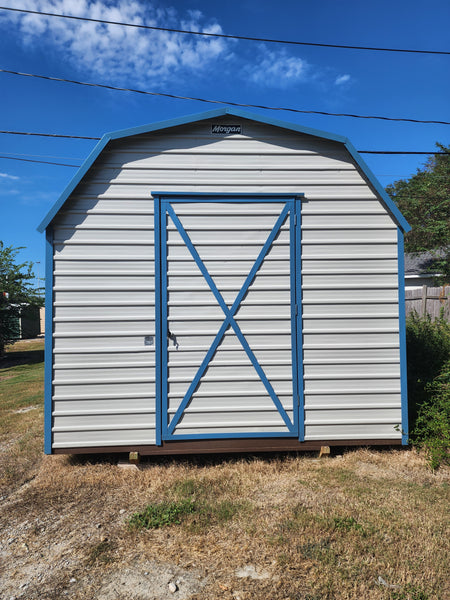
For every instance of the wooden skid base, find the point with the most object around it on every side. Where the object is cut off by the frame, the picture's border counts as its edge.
(225, 446)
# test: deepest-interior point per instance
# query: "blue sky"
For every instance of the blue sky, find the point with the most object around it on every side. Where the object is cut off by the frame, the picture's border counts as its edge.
(311, 78)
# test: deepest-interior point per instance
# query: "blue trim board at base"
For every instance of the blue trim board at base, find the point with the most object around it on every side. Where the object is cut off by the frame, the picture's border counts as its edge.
(48, 369)
(402, 333)
(221, 112)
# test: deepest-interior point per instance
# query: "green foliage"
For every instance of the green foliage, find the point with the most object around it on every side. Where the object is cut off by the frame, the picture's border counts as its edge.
(16, 290)
(427, 349)
(162, 514)
(424, 200)
(432, 429)
(410, 592)
(197, 504)
(428, 352)
(346, 524)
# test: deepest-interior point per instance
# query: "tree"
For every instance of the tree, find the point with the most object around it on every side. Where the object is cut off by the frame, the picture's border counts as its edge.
(424, 200)
(16, 290)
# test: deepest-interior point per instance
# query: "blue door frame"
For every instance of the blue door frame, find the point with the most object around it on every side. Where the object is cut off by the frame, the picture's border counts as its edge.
(165, 209)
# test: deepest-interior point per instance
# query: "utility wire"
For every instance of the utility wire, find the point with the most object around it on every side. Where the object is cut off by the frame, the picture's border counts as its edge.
(223, 35)
(45, 162)
(84, 137)
(20, 154)
(54, 135)
(177, 97)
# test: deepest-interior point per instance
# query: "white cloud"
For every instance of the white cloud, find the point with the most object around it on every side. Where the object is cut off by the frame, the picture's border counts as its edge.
(342, 79)
(6, 176)
(141, 58)
(278, 69)
(119, 53)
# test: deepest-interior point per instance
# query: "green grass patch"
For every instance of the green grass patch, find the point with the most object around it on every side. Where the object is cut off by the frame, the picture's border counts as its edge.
(346, 524)
(163, 514)
(21, 412)
(202, 514)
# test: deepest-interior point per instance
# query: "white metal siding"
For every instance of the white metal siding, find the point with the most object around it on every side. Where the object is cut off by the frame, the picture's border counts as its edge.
(104, 284)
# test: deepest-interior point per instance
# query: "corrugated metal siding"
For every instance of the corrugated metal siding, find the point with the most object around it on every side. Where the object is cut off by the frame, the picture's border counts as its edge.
(104, 283)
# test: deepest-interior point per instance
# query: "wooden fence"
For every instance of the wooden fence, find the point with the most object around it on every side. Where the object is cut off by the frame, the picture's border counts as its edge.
(431, 300)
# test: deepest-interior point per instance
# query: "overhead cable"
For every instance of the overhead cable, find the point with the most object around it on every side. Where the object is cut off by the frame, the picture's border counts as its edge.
(54, 135)
(45, 162)
(226, 102)
(226, 36)
(85, 137)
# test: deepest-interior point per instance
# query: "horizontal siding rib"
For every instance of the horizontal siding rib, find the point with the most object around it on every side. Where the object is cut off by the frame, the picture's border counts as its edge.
(350, 361)
(350, 391)
(99, 412)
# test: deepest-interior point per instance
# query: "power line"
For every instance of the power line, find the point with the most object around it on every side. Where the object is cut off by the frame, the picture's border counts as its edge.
(399, 152)
(177, 97)
(226, 36)
(54, 135)
(19, 154)
(85, 137)
(45, 162)
(20, 157)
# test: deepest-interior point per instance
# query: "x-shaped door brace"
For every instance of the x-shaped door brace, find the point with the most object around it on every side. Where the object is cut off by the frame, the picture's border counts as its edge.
(229, 318)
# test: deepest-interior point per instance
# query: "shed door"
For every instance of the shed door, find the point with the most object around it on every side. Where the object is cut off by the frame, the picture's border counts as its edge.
(229, 330)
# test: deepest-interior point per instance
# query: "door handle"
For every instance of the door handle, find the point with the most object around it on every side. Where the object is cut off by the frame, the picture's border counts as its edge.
(173, 338)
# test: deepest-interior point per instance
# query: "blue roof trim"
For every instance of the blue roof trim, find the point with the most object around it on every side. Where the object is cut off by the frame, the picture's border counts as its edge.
(387, 201)
(74, 182)
(220, 112)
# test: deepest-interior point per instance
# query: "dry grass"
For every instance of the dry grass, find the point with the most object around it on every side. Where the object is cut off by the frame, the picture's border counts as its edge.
(21, 413)
(316, 530)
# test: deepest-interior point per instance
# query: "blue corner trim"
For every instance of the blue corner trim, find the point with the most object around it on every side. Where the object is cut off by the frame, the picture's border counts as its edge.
(48, 369)
(123, 133)
(76, 179)
(402, 333)
(387, 201)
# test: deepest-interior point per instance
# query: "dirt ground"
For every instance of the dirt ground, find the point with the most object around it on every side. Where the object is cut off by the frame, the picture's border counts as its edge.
(65, 533)
(369, 524)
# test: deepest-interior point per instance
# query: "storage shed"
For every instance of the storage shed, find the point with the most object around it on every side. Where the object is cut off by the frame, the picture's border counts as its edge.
(224, 282)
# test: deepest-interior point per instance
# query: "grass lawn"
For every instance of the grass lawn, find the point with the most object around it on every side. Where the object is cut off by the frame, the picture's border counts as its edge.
(21, 412)
(366, 524)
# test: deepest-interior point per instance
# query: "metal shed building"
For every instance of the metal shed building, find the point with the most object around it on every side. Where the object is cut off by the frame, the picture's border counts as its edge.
(224, 282)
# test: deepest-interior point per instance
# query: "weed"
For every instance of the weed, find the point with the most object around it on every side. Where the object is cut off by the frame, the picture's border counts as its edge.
(163, 514)
(410, 592)
(346, 524)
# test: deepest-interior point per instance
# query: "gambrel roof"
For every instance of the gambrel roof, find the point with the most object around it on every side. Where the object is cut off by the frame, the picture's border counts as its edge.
(153, 127)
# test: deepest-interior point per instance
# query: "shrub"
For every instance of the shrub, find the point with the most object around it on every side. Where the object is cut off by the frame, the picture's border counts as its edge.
(428, 348)
(432, 428)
